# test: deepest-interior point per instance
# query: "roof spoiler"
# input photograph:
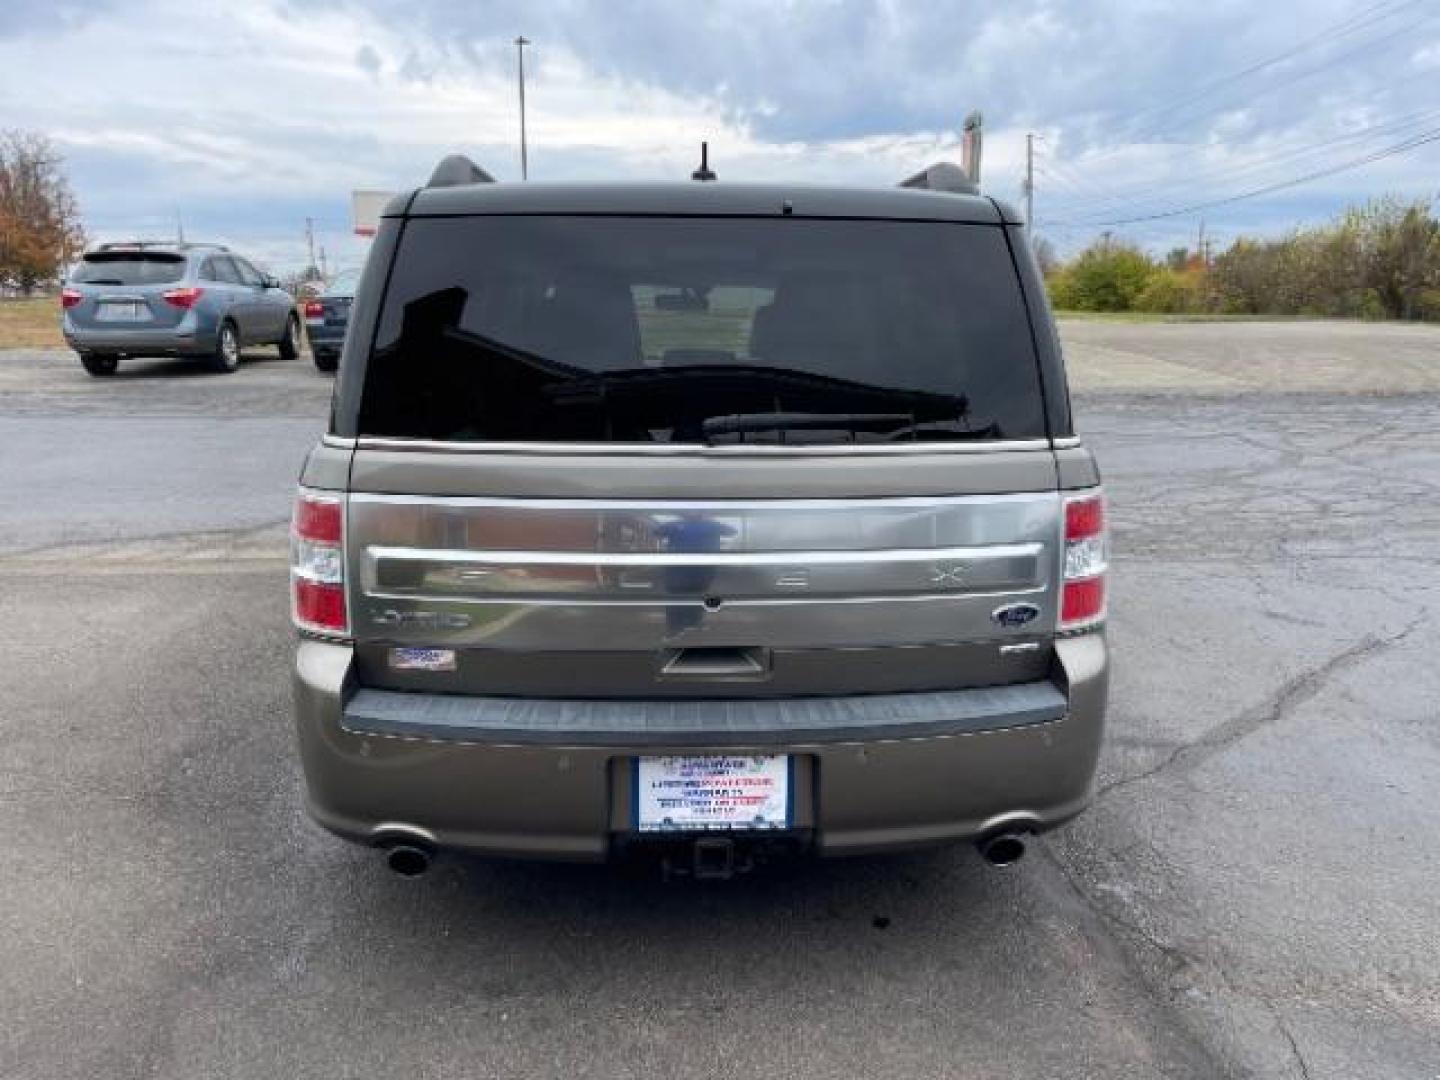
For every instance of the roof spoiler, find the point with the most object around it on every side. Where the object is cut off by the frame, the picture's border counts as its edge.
(943, 176)
(145, 245)
(456, 170)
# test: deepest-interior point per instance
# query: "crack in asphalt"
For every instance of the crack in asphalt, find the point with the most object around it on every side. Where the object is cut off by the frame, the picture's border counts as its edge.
(1300, 1061)
(1176, 958)
(1294, 693)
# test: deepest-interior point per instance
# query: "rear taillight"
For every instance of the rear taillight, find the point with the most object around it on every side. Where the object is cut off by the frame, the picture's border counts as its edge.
(70, 297)
(317, 563)
(314, 309)
(183, 298)
(1087, 554)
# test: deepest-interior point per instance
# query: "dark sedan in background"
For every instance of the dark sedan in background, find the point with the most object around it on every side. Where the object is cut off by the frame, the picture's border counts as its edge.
(326, 317)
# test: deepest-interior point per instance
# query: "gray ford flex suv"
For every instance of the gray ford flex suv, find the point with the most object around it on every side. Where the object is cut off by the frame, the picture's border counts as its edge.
(162, 299)
(704, 518)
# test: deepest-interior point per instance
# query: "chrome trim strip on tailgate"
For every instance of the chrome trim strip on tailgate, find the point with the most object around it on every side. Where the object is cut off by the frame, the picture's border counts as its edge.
(760, 721)
(581, 577)
(630, 574)
(900, 502)
(432, 446)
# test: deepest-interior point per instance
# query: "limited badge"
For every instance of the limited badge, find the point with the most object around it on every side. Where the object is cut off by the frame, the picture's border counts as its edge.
(422, 659)
(1012, 615)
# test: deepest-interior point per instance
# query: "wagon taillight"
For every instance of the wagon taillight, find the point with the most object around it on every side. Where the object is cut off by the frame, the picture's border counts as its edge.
(183, 298)
(1087, 555)
(317, 563)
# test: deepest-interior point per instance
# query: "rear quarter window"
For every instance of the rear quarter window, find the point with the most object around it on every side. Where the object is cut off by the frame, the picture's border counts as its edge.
(636, 330)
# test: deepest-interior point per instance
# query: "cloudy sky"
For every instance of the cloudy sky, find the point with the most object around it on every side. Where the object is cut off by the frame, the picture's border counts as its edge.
(247, 117)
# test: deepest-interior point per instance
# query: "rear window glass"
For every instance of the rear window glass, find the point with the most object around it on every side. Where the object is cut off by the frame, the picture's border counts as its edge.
(343, 283)
(129, 268)
(702, 330)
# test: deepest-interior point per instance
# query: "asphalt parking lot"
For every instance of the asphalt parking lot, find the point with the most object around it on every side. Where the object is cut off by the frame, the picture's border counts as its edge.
(1254, 892)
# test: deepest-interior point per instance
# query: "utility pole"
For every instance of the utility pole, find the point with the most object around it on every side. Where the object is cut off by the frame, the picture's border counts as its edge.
(310, 246)
(520, 43)
(1030, 182)
(1200, 245)
(179, 227)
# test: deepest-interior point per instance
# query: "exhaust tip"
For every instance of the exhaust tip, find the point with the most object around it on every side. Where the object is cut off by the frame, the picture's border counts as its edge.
(407, 860)
(1005, 849)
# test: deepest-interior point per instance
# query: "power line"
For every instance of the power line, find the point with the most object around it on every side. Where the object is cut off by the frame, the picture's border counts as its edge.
(1359, 21)
(1371, 16)
(1415, 141)
(1060, 179)
(1077, 180)
(1143, 193)
(1340, 58)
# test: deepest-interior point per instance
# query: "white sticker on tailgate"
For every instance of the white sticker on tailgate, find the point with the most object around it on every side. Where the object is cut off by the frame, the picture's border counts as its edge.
(422, 659)
(674, 794)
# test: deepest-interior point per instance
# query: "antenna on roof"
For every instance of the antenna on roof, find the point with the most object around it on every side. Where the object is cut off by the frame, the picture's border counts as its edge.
(457, 169)
(703, 173)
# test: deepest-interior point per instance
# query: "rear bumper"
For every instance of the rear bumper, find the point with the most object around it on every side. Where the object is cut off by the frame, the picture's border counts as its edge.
(860, 789)
(181, 342)
(325, 338)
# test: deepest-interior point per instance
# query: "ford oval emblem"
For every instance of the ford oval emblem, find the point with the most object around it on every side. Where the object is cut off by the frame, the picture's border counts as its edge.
(1012, 615)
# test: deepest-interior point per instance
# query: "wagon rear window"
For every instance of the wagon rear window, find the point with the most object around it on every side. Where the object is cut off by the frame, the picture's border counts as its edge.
(702, 330)
(129, 268)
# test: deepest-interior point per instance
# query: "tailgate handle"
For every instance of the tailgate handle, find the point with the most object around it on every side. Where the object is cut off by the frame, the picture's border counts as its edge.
(715, 663)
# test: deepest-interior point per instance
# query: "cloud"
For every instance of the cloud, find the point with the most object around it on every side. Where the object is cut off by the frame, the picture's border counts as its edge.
(368, 60)
(251, 117)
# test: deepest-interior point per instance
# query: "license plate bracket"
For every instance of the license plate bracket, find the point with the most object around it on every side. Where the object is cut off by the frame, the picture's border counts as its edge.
(121, 311)
(713, 793)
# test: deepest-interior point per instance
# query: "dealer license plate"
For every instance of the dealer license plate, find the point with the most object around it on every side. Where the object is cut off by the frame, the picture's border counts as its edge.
(715, 792)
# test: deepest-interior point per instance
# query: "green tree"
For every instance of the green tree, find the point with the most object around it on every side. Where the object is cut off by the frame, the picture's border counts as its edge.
(1399, 253)
(1106, 277)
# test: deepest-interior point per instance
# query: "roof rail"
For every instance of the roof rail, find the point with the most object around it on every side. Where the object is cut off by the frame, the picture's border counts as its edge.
(456, 170)
(943, 176)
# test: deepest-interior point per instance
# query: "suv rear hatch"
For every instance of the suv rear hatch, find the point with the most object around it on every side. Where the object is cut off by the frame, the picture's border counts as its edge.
(128, 290)
(622, 456)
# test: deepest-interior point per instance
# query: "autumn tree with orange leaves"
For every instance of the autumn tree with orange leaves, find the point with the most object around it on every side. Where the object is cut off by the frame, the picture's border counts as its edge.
(40, 229)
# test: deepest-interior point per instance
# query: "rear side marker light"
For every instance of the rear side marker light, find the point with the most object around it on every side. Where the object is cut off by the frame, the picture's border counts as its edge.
(70, 297)
(317, 563)
(1087, 559)
(185, 298)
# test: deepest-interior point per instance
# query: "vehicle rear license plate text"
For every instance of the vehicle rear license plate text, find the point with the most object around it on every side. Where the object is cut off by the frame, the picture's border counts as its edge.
(713, 792)
(121, 311)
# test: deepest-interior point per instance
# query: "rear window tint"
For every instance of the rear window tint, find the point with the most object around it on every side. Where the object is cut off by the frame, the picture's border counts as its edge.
(248, 274)
(702, 330)
(129, 268)
(225, 270)
(343, 284)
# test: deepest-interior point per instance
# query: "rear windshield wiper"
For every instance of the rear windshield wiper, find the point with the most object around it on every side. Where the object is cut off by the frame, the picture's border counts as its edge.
(741, 423)
(893, 426)
(940, 431)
